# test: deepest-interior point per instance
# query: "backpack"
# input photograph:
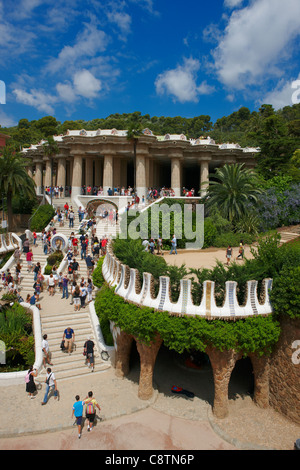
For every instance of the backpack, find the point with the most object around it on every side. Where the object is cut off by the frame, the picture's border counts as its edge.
(27, 378)
(90, 410)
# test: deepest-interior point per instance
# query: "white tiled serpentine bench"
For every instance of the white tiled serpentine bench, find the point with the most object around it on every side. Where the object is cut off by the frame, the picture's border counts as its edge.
(125, 280)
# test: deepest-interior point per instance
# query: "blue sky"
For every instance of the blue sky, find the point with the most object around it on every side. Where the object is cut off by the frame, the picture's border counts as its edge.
(86, 60)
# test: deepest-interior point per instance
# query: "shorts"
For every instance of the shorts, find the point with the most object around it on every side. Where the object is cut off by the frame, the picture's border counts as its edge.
(78, 420)
(90, 356)
(91, 418)
(76, 300)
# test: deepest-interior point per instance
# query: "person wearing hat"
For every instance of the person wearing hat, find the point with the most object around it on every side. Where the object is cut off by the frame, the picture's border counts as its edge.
(88, 352)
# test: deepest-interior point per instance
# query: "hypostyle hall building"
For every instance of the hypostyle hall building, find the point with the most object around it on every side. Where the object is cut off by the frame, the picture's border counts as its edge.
(105, 158)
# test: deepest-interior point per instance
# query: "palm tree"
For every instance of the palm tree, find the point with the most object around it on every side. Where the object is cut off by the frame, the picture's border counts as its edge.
(233, 187)
(14, 178)
(50, 148)
(134, 132)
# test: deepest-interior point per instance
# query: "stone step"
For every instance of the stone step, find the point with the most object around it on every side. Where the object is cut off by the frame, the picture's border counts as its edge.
(74, 373)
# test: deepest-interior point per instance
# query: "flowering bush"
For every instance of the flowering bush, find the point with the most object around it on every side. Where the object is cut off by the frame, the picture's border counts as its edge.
(276, 208)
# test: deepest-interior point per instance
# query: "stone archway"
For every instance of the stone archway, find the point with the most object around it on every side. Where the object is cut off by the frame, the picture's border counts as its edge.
(94, 206)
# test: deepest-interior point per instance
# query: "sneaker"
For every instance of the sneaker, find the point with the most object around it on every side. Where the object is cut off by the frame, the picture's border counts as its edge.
(79, 436)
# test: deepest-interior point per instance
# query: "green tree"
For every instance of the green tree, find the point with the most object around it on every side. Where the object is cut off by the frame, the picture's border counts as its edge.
(14, 178)
(231, 189)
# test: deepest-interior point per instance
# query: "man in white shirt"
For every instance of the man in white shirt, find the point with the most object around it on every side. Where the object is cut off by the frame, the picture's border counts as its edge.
(174, 244)
(145, 244)
(50, 384)
(45, 349)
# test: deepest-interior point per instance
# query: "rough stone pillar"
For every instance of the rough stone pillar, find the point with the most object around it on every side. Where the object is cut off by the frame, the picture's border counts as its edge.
(151, 169)
(77, 176)
(141, 187)
(89, 172)
(38, 178)
(124, 172)
(123, 343)
(148, 354)
(285, 370)
(117, 172)
(175, 175)
(261, 369)
(48, 173)
(107, 173)
(30, 171)
(222, 363)
(204, 176)
(98, 171)
(61, 172)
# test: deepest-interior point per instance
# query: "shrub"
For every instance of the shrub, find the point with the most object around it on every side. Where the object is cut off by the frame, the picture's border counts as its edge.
(210, 233)
(233, 239)
(285, 295)
(255, 334)
(98, 279)
(42, 217)
(17, 335)
(55, 258)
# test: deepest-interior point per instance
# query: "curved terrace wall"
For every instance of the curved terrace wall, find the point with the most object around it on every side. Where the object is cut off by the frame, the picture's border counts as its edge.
(126, 283)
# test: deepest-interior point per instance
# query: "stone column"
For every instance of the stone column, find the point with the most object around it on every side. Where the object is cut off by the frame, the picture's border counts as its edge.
(77, 176)
(98, 171)
(117, 172)
(89, 172)
(175, 175)
(61, 172)
(151, 169)
(261, 368)
(148, 354)
(48, 173)
(30, 171)
(123, 343)
(222, 363)
(204, 176)
(38, 178)
(140, 178)
(124, 172)
(107, 173)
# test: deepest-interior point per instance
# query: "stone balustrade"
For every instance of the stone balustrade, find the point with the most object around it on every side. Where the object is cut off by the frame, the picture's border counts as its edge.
(9, 242)
(127, 285)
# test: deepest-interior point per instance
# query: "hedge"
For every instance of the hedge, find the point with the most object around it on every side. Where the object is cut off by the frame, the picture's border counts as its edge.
(252, 335)
(42, 217)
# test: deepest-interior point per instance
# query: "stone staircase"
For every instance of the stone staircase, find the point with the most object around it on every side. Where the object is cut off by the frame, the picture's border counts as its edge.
(288, 236)
(57, 314)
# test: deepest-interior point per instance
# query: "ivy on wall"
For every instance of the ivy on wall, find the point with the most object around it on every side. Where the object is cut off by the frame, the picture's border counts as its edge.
(251, 335)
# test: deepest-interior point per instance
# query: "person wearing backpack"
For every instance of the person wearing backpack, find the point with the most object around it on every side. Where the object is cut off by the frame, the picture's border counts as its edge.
(29, 380)
(90, 411)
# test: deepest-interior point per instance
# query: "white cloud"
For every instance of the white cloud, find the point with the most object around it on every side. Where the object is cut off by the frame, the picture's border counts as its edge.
(233, 3)
(256, 41)
(66, 92)
(86, 84)
(5, 120)
(122, 20)
(88, 44)
(181, 82)
(282, 95)
(38, 99)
